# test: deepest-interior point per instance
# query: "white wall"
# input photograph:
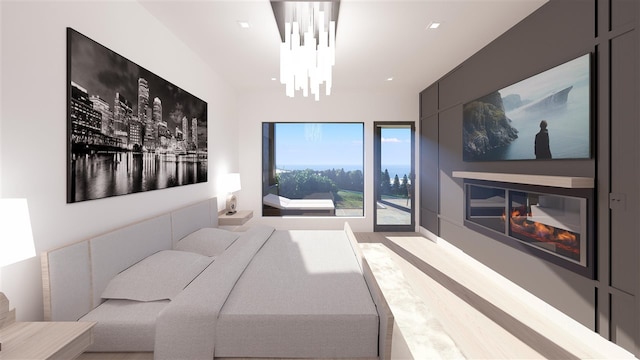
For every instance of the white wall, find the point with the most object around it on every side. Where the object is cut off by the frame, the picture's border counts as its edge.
(258, 107)
(33, 127)
(33, 123)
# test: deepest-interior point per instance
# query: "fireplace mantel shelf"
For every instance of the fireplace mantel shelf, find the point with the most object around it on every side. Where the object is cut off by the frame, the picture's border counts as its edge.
(569, 182)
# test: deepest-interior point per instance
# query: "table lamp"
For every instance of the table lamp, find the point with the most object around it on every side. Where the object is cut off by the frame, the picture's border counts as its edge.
(16, 244)
(232, 184)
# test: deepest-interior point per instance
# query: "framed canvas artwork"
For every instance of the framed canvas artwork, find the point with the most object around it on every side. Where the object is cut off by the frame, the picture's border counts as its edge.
(128, 129)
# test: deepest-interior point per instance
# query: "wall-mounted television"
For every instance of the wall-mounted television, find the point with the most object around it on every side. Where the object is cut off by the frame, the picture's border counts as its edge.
(546, 116)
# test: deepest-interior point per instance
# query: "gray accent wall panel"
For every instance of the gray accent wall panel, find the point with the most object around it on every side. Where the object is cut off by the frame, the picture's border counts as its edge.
(429, 101)
(625, 161)
(544, 39)
(557, 32)
(623, 13)
(429, 220)
(623, 326)
(429, 163)
(429, 166)
(451, 194)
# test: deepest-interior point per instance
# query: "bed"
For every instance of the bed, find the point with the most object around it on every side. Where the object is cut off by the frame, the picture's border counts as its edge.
(177, 286)
(279, 205)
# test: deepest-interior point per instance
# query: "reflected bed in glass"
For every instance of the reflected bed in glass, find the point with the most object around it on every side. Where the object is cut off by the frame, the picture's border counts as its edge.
(551, 223)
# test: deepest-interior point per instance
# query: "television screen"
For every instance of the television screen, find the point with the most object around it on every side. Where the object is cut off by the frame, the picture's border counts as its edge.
(546, 116)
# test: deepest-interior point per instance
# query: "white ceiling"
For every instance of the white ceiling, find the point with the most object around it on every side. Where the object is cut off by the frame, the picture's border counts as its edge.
(375, 40)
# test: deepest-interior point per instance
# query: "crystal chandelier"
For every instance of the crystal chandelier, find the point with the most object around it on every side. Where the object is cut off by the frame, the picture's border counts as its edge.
(307, 62)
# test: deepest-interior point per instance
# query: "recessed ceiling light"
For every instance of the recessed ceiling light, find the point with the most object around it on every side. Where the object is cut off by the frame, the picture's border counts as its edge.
(390, 78)
(273, 79)
(433, 25)
(243, 24)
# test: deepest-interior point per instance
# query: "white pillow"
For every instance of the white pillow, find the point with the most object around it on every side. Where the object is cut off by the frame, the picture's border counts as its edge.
(207, 241)
(160, 276)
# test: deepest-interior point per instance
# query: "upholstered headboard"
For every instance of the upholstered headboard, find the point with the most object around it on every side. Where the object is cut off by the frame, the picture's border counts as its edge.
(74, 276)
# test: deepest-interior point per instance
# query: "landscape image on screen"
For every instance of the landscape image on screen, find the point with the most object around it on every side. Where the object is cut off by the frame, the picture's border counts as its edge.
(546, 116)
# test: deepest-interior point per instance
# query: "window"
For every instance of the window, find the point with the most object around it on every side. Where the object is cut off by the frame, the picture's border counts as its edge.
(313, 169)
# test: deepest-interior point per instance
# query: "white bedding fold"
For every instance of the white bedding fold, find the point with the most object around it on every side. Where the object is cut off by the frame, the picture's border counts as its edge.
(186, 328)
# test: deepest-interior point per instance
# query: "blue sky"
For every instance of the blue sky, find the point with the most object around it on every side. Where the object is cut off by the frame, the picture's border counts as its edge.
(314, 144)
(396, 147)
(335, 144)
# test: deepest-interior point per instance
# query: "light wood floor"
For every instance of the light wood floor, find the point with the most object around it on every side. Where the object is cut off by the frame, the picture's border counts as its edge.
(487, 316)
(116, 356)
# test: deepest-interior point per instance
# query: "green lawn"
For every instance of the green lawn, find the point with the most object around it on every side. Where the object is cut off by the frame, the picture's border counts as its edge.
(349, 200)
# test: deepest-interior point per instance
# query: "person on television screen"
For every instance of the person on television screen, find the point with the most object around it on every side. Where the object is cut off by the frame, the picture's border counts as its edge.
(542, 142)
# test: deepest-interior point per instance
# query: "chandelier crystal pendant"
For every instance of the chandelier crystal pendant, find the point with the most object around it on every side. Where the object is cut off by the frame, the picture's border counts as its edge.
(306, 63)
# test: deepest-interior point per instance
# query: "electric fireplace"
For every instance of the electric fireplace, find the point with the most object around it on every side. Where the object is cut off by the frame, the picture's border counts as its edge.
(555, 224)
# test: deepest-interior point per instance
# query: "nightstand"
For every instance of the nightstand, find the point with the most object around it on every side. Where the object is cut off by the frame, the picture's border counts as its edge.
(45, 340)
(234, 222)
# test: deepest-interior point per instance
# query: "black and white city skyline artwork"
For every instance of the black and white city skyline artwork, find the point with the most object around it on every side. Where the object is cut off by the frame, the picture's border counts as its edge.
(129, 130)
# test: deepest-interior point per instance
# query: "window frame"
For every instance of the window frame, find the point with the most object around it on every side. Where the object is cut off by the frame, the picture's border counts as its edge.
(269, 173)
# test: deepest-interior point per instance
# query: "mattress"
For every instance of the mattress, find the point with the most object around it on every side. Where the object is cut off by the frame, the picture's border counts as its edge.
(292, 301)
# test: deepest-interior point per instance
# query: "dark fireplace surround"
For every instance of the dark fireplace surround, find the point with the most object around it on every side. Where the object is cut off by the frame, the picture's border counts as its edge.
(551, 223)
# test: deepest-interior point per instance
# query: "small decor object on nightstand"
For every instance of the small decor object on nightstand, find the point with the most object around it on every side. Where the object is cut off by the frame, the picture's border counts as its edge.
(232, 184)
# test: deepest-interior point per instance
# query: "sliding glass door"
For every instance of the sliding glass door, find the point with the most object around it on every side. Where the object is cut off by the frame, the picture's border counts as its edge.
(394, 176)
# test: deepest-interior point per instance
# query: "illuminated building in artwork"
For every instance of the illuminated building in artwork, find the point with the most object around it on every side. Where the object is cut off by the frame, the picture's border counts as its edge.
(107, 115)
(135, 133)
(185, 128)
(86, 122)
(149, 141)
(143, 98)
(147, 134)
(157, 119)
(122, 115)
(194, 132)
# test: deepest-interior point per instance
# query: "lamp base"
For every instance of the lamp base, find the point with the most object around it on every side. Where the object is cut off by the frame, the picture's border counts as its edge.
(232, 202)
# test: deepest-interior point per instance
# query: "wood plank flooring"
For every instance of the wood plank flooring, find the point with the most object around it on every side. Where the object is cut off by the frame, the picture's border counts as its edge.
(485, 314)
(117, 356)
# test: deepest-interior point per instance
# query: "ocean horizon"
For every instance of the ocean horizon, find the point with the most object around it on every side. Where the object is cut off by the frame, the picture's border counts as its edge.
(394, 170)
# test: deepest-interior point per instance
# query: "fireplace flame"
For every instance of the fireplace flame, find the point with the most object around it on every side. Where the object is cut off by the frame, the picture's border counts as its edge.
(539, 232)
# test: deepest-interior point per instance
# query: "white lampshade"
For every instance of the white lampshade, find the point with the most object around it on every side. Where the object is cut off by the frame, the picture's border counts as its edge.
(16, 238)
(232, 182)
